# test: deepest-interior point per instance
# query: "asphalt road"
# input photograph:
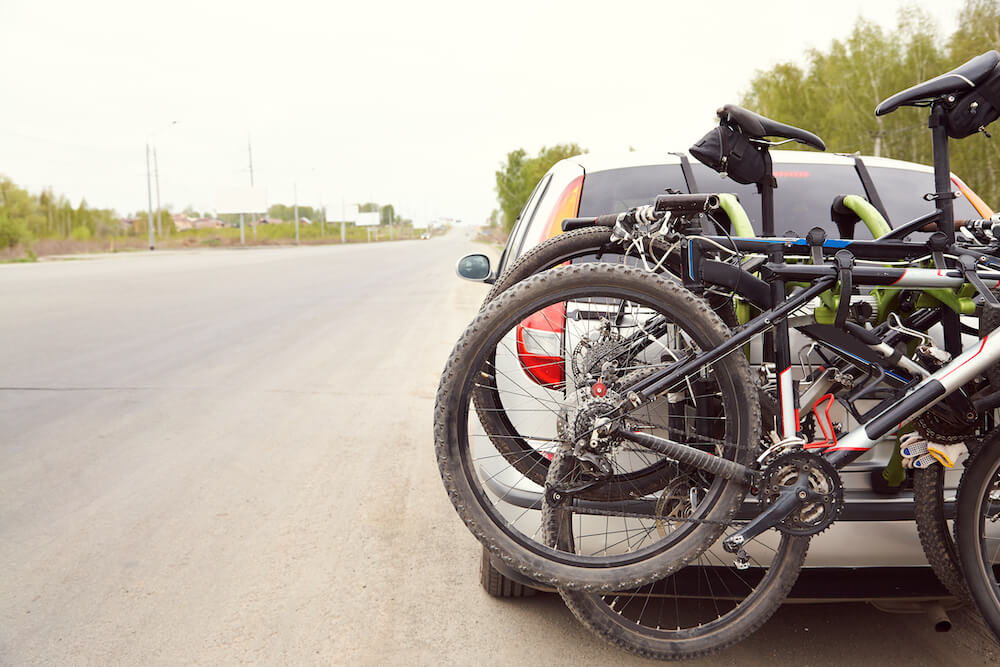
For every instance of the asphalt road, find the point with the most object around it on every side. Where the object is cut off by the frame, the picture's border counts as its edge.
(225, 456)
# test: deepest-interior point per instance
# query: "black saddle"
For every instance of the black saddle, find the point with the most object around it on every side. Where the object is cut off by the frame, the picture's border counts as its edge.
(758, 127)
(956, 82)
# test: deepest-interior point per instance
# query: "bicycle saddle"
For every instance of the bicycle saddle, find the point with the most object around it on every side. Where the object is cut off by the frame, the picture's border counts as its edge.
(959, 80)
(758, 127)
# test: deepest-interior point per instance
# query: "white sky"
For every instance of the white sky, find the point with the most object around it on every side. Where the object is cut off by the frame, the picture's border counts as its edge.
(410, 103)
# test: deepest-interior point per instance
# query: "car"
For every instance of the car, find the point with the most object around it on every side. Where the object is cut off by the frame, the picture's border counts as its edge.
(425, 236)
(876, 532)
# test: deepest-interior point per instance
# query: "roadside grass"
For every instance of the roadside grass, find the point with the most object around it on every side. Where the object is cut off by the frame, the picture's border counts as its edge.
(492, 236)
(225, 237)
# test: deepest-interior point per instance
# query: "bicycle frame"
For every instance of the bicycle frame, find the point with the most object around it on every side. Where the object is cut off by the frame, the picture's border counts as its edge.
(931, 389)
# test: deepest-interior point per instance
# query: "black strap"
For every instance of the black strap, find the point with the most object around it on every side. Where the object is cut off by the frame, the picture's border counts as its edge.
(870, 190)
(844, 262)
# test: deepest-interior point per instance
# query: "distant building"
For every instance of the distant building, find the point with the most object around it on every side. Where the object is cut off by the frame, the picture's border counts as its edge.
(183, 223)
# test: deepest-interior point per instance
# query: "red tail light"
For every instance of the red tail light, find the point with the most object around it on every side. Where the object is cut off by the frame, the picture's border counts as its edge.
(540, 346)
(568, 206)
(974, 199)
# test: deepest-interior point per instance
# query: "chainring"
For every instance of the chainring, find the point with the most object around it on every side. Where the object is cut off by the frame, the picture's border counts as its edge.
(825, 487)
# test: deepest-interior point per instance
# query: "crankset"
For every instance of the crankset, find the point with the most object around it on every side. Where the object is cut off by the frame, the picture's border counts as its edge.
(801, 494)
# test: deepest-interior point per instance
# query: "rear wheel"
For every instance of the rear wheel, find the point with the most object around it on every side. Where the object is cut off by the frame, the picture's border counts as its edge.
(714, 409)
(977, 530)
(582, 245)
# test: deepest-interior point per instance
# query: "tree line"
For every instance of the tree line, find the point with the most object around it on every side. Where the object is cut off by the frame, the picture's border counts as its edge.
(835, 94)
(26, 217)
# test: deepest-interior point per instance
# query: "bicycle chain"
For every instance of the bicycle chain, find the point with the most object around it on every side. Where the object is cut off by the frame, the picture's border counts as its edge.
(636, 515)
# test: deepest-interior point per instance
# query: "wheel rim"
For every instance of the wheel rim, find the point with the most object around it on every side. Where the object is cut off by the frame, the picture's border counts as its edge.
(690, 407)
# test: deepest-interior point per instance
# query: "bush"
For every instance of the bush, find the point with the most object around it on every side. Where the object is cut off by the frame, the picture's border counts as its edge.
(13, 233)
(81, 234)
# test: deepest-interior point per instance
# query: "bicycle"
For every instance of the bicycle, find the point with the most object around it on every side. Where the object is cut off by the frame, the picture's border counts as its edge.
(630, 419)
(639, 243)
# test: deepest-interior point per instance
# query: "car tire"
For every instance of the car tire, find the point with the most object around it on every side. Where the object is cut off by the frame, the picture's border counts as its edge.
(497, 585)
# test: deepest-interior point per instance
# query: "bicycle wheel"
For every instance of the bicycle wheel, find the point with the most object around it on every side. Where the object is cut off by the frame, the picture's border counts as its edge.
(521, 347)
(582, 245)
(932, 529)
(704, 607)
(977, 529)
(936, 538)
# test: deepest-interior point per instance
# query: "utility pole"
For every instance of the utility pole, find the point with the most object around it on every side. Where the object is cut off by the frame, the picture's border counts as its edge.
(149, 197)
(250, 160)
(250, 156)
(343, 221)
(295, 191)
(156, 176)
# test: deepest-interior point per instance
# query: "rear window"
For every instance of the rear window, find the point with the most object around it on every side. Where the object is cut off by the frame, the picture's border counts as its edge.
(801, 201)
(617, 190)
(903, 190)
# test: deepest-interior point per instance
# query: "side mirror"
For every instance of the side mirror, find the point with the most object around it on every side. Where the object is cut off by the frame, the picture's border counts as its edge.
(475, 267)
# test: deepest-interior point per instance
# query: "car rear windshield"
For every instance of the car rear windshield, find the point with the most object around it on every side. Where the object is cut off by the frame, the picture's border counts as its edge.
(617, 190)
(802, 200)
(903, 190)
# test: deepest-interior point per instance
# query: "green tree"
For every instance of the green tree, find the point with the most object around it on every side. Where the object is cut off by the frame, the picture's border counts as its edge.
(976, 158)
(835, 93)
(518, 176)
(12, 232)
(388, 215)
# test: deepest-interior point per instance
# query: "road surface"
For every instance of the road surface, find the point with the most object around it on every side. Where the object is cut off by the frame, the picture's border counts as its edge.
(224, 456)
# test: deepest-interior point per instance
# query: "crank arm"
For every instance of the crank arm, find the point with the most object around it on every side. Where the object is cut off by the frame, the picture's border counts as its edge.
(788, 501)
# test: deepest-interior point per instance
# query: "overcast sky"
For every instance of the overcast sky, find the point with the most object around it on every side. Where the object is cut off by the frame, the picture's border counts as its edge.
(410, 103)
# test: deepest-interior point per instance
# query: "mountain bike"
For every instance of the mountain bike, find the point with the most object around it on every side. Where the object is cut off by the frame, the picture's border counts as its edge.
(682, 415)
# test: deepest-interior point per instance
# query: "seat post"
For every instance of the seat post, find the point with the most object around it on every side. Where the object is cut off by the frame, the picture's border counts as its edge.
(942, 173)
(950, 320)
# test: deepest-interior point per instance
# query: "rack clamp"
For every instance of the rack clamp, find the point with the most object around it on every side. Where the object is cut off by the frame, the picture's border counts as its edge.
(938, 243)
(967, 265)
(816, 238)
(934, 196)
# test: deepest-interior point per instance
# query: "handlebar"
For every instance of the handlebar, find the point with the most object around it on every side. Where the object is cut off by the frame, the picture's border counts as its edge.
(569, 224)
(695, 203)
(670, 203)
